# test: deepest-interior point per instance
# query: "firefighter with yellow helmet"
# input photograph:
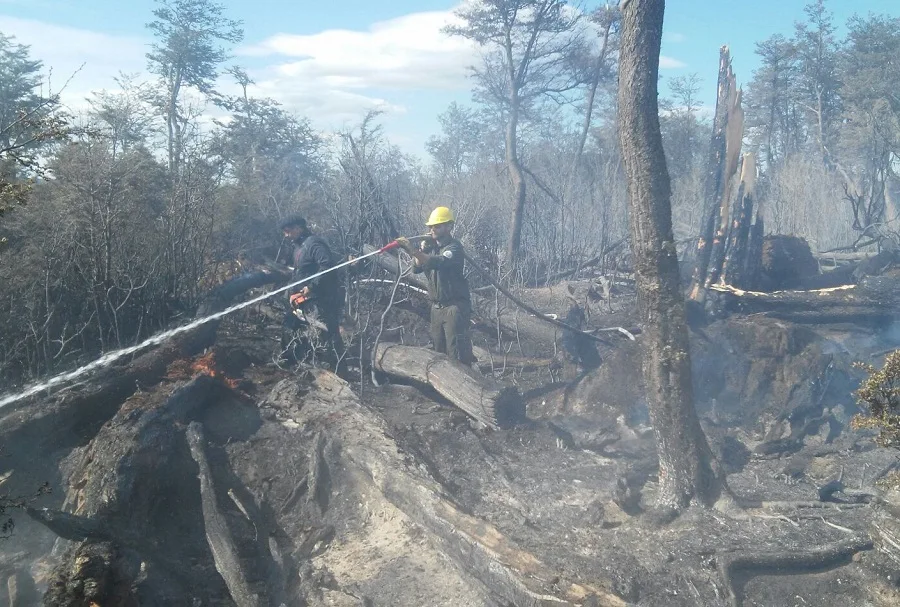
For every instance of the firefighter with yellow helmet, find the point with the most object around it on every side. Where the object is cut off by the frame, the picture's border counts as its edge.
(441, 258)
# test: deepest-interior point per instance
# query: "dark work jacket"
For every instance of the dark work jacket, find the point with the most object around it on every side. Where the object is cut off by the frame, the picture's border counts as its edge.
(312, 256)
(447, 285)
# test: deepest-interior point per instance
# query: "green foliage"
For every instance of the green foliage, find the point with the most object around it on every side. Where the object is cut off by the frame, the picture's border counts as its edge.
(29, 122)
(187, 51)
(879, 393)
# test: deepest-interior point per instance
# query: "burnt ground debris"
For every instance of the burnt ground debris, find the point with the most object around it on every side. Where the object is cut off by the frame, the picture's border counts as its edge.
(344, 493)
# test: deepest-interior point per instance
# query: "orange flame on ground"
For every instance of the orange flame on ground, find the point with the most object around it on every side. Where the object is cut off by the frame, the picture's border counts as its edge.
(202, 365)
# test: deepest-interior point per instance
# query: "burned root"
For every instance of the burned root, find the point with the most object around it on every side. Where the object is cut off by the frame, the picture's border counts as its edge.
(783, 562)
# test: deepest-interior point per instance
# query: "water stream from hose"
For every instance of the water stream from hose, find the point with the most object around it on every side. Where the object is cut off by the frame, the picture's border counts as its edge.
(111, 357)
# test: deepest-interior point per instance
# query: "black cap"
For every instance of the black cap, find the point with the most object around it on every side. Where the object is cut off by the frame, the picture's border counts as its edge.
(292, 221)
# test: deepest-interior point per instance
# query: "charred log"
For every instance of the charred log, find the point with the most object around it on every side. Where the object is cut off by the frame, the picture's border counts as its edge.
(784, 561)
(485, 400)
(875, 299)
(71, 417)
(117, 483)
(513, 575)
(885, 529)
(221, 544)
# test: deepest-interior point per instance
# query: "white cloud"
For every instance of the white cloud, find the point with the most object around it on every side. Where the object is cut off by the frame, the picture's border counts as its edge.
(337, 71)
(668, 63)
(674, 37)
(332, 76)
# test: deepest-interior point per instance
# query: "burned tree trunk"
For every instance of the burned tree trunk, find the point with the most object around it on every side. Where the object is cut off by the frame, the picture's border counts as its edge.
(733, 132)
(753, 261)
(517, 179)
(716, 178)
(735, 264)
(490, 403)
(685, 460)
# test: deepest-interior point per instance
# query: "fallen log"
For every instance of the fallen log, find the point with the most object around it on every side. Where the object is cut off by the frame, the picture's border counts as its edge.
(873, 299)
(510, 573)
(488, 361)
(484, 399)
(115, 484)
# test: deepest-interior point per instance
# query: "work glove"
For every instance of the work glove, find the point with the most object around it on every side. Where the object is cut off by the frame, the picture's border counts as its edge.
(404, 244)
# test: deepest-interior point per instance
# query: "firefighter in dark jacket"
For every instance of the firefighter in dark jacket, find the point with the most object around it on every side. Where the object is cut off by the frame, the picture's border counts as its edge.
(324, 294)
(442, 258)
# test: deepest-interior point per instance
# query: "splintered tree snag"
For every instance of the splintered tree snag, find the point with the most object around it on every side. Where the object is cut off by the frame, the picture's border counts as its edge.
(487, 401)
(715, 183)
(687, 469)
(734, 130)
(735, 264)
(753, 260)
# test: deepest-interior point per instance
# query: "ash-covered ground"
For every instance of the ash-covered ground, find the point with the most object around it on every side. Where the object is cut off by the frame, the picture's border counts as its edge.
(260, 485)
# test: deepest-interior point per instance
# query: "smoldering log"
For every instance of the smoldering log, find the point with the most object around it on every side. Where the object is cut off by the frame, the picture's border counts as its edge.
(116, 481)
(483, 398)
(75, 414)
(221, 544)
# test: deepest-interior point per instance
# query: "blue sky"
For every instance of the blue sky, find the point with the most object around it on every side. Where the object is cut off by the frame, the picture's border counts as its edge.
(331, 62)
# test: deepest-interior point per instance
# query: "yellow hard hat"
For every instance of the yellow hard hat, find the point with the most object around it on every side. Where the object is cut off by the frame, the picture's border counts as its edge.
(440, 215)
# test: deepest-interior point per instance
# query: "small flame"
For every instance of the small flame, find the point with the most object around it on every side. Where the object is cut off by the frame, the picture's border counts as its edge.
(202, 365)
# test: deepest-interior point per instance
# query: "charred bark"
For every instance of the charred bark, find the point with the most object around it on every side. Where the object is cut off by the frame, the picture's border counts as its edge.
(753, 261)
(733, 135)
(118, 484)
(485, 400)
(734, 266)
(781, 562)
(221, 544)
(715, 180)
(687, 468)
